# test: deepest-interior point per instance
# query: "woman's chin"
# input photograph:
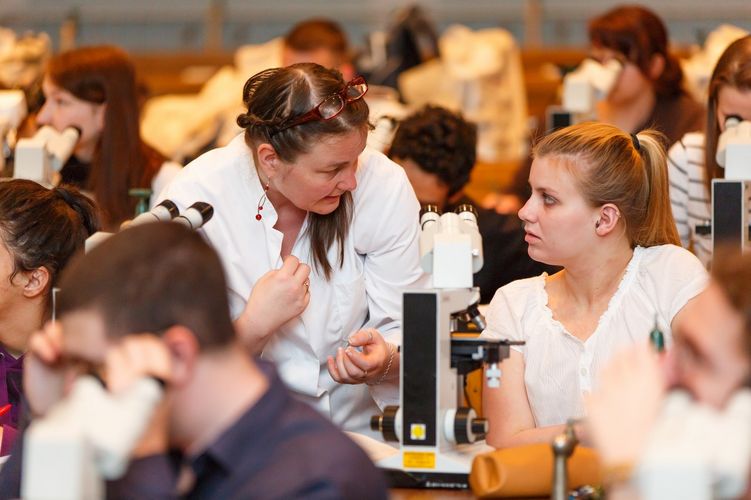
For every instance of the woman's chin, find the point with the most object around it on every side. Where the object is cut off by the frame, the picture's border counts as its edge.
(539, 256)
(327, 205)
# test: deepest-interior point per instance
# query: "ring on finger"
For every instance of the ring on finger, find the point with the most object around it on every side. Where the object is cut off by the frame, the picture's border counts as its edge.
(306, 284)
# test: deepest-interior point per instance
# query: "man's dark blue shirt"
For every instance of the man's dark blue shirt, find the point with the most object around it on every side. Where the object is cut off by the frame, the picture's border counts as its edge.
(279, 448)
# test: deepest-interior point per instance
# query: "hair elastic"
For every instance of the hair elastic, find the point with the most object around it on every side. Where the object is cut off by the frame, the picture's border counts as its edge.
(635, 141)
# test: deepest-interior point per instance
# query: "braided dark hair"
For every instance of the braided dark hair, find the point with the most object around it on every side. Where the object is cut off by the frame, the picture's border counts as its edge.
(274, 97)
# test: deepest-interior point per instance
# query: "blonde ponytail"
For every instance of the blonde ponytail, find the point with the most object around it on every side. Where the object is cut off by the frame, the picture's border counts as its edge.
(659, 226)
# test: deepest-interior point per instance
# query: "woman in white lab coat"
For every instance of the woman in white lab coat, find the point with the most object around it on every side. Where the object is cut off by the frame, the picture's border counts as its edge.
(322, 231)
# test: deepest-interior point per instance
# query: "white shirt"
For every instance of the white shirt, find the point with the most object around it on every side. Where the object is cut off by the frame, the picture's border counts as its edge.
(162, 179)
(381, 258)
(558, 367)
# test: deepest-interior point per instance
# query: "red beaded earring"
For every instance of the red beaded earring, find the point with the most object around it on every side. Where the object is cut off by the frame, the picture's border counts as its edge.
(262, 200)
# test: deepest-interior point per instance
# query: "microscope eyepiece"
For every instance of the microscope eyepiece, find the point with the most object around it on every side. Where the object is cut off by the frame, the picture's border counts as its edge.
(198, 214)
(429, 209)
(171, 208)
(467, 212)
(466, 207)
(206, 210)
(732, 120)
(429, 214)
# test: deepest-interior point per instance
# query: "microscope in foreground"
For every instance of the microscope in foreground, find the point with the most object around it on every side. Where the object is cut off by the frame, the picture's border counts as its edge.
(589, 83)
(86, 438)
(438, 436)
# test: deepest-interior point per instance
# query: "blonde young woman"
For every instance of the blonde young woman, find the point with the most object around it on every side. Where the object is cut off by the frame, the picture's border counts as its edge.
(600, 209)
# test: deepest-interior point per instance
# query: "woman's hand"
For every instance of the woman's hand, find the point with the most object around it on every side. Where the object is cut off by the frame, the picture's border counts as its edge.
(377, 362)
(277, 297)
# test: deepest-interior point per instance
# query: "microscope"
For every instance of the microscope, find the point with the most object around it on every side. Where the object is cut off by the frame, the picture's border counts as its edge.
(41, 157)
(438, 436)
(730, 196)
(194, 217)
(85, 439)
(12, 113)
(582, 89)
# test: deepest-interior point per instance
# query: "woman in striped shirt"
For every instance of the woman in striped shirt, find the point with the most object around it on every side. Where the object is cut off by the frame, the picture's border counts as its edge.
(692, 164)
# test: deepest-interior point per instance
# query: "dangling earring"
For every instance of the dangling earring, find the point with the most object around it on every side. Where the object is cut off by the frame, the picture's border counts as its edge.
(262, 200)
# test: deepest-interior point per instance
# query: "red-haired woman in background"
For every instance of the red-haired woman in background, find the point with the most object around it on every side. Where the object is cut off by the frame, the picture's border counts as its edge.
(649, 91)
(94, 89)
(648, 94)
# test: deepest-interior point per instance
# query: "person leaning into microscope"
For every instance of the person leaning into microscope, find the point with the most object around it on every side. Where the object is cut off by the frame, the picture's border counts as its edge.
(251, 439)
(693, 160)
(600, 209)
(649, 90)
(94, 90)
(437, 149)
(679, 425)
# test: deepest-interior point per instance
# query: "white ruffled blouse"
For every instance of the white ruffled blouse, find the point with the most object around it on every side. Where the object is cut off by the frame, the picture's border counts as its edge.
(560, 368)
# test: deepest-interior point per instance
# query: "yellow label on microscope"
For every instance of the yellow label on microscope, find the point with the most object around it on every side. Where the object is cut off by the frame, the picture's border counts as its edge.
(418, 460)
(418, 432)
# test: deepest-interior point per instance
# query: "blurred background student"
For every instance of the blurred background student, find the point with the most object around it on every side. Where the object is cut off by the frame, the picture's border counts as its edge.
(649, 92)
(94, 90)
(693, 160)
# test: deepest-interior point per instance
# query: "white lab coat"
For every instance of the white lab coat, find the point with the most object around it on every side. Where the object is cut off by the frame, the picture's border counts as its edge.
(381, 259)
